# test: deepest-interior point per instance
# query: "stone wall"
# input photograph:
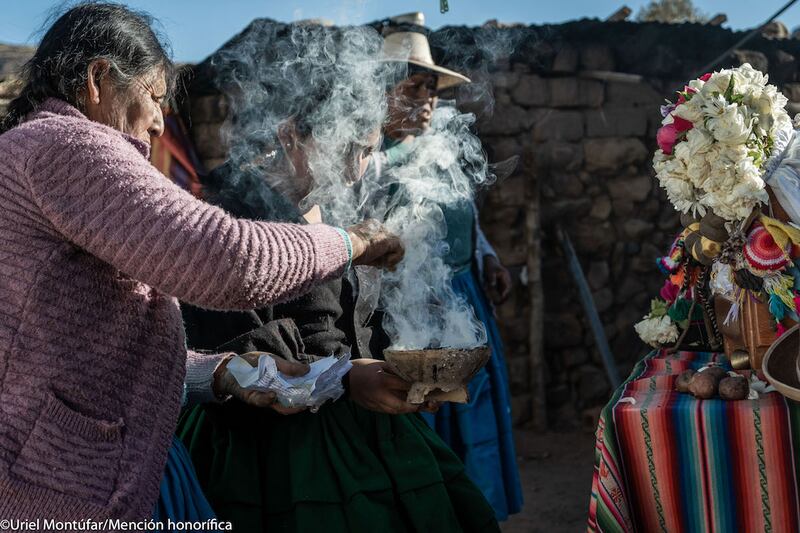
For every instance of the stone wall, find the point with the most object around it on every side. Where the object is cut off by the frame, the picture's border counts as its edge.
(588, 142)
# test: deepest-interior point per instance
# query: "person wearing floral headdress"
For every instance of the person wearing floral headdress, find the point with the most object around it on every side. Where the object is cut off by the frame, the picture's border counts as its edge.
(718, 149)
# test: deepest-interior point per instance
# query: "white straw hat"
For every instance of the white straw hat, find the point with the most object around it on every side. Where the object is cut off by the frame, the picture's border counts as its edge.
(412, 47)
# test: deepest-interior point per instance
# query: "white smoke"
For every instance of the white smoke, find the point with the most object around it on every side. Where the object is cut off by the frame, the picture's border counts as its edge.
(325, 81)
(421, 308)
(333, 81)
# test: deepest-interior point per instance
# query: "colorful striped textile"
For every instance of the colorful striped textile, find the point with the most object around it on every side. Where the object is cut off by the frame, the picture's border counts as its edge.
(665, 461)
(174, 155)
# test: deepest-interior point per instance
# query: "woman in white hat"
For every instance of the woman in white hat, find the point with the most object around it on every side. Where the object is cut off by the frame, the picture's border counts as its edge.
(480, 432)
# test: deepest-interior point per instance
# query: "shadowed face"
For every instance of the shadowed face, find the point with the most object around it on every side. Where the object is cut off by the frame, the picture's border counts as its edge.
(411, 105)
(299, 151)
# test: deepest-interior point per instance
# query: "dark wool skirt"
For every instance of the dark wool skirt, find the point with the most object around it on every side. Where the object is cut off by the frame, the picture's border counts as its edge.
(343, 469)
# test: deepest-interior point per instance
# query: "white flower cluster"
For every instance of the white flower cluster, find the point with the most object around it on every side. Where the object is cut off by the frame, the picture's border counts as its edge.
(713, 157)
(657, 330)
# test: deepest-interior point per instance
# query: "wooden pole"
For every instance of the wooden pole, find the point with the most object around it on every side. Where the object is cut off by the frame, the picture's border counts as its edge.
(533, 234)
(587, 301)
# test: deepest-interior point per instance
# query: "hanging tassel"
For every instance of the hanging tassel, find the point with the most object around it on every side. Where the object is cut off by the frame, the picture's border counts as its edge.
(733, 314)
(670, 263)
(797, 302)
(780, 330)
(776, 307)
(678, 278)
(781, 286)
(771, 283)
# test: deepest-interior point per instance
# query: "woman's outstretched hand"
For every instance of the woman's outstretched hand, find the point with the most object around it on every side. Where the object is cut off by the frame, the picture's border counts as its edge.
(226, 385)
(374, 245)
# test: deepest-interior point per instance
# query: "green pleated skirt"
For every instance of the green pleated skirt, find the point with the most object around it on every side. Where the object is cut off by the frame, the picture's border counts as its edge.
(343, 469)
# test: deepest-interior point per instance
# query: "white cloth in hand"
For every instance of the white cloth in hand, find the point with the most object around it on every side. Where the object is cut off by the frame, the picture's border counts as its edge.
(322, 383)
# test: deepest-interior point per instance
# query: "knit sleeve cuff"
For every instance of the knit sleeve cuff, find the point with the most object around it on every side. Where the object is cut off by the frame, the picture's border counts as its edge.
(199, 381)
(330, 251)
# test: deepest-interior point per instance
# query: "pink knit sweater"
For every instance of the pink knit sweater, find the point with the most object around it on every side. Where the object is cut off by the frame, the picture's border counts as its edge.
(95, 247)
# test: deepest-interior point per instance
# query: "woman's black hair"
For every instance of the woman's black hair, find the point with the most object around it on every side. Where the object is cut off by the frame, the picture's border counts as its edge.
(87, 32)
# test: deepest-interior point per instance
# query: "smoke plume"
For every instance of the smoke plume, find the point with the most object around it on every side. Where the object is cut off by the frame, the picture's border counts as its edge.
(331, 84)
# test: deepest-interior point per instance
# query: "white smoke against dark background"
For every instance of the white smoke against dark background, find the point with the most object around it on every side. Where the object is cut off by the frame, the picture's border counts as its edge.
(421, 309)
(480, 52)
(326, 80)
(333, 77)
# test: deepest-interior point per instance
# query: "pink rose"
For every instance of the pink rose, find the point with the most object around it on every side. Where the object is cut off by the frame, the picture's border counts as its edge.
(706, 76)
(667, 136)
(669, 291)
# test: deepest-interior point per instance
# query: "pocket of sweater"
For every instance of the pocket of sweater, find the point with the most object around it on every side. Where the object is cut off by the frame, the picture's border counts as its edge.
(71, 453)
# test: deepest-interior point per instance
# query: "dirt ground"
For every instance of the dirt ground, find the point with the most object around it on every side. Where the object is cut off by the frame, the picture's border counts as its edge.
(556, 472)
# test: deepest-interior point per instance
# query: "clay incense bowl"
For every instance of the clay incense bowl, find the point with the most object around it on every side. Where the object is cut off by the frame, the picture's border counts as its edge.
(440, 374)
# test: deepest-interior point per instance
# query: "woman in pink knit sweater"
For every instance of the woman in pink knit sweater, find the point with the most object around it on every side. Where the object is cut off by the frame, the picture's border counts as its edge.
(95, 247)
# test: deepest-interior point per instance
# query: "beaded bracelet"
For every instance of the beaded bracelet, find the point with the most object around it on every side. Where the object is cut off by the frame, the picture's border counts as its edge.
(348, 243)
